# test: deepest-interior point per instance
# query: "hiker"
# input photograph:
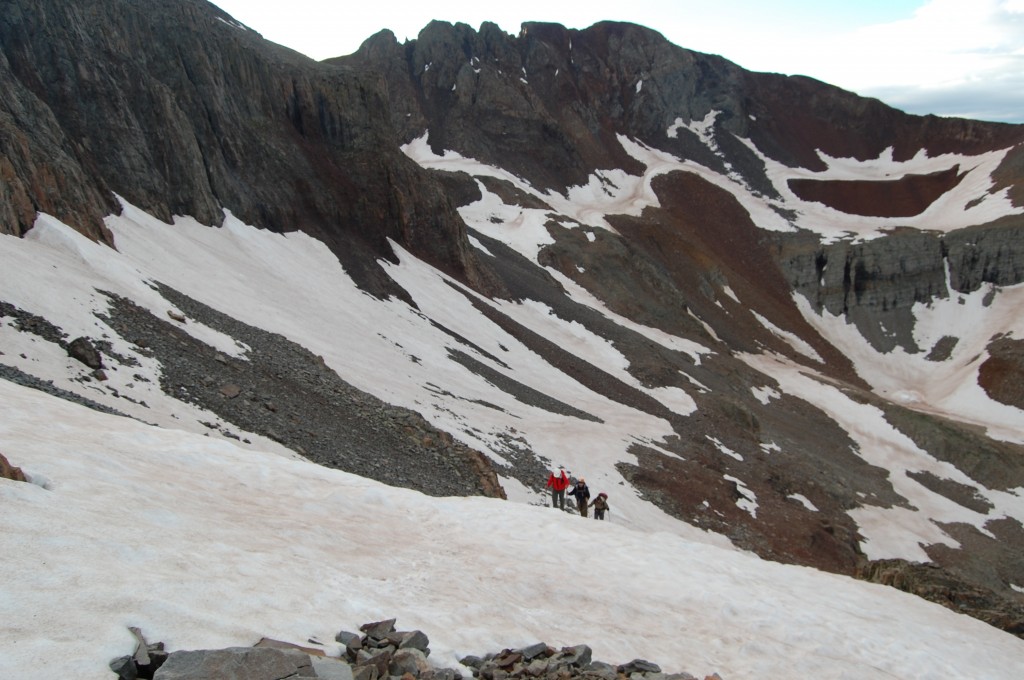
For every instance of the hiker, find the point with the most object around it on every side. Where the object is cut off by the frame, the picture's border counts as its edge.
(558, 482)
(600, 505)
(582, 494)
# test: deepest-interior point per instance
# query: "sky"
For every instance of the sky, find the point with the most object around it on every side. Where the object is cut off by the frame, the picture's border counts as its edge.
(947, 57)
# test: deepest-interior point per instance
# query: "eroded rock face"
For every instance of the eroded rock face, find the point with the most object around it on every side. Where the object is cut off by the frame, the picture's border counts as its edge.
(549, 103)
(175, 107)
(951, 591)
(872, 283)
(990, 253)
(875, 283)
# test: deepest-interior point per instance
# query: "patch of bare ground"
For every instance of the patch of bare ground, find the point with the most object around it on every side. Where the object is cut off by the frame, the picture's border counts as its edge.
(904, 197)
(704, 241)
(1002, 374)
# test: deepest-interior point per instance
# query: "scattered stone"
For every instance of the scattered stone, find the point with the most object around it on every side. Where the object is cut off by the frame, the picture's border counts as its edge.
(230, 391)
(331, 669)
(281, 384)
(569, 663)
(378, 630)
(143, 663)
(639, 666)
(8, 471)
(124, 668)
(278, 644)
(177, 316)
(415, 640)
(82, 349)
(346, 637)
(237, 663)
(533, 651)
(408, 661)
(381, 653)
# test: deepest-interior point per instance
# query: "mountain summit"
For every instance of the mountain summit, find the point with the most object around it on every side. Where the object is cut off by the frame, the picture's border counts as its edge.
(759, 311)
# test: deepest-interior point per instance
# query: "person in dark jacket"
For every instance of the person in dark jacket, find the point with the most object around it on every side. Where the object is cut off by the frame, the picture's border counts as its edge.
(558, 482)
(582, 494)
(600, 505)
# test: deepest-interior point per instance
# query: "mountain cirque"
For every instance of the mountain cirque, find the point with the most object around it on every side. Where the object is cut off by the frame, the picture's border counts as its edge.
(181, 111)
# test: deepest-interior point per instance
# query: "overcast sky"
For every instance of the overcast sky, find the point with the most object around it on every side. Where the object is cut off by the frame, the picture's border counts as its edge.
(947, 57)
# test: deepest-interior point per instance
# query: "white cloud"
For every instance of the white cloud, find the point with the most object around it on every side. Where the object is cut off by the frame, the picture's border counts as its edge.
(950, 58)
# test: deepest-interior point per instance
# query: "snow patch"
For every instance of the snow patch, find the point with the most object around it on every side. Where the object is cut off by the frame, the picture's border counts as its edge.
(791, 339)
(803, 501)
(765, 394)
(723, 448)
(747, 500)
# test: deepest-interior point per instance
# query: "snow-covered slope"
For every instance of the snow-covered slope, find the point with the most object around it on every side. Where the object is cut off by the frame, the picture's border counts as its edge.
(202, 544)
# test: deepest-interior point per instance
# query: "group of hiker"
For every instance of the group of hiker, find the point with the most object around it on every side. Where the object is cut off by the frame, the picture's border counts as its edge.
(559, 482)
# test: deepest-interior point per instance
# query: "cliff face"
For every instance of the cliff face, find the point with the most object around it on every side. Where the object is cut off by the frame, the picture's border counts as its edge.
(182, 111)
(548, 105)
(876, 283)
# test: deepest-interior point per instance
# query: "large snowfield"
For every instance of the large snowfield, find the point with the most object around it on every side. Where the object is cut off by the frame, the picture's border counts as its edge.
(201, 544)
(204, 542)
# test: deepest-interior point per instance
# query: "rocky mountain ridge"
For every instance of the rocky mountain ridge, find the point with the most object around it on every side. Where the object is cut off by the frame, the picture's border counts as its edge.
(177, 109)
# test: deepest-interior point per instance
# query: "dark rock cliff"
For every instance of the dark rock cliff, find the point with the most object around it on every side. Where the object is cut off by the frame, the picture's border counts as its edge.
(182, 111)
(548, 104)
(875, 283)
(565, 94)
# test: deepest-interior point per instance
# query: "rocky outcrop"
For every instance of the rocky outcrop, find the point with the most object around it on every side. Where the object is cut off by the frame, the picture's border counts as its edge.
(875, 283)
(379, 653)
(548, 103)
(182, 111)
(990, 253)
(287, 394)
(8, 471)
(943, 587)
(216, 118)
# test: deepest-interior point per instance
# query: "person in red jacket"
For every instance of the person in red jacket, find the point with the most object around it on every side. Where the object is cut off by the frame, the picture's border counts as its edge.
(558, 482)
